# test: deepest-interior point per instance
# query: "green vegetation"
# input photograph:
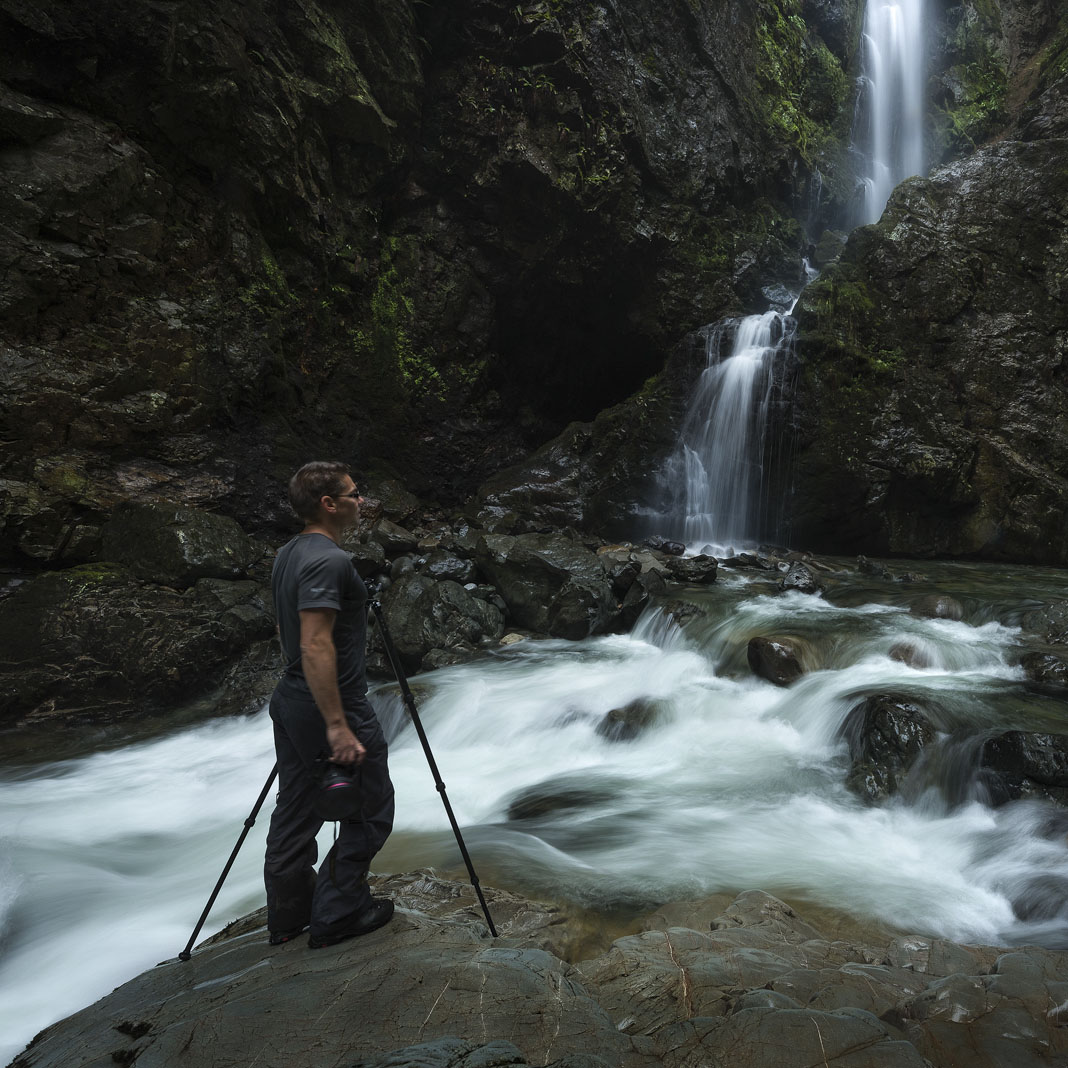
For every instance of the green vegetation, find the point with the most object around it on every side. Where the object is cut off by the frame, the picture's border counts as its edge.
(387, 345)
(802, 86)
(268, 291)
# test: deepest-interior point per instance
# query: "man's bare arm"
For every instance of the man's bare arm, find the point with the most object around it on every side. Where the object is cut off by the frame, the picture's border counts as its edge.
(319, 661)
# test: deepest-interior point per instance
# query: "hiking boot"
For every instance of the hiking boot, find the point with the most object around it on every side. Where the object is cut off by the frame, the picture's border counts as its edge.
(279, 938)
(376, 915)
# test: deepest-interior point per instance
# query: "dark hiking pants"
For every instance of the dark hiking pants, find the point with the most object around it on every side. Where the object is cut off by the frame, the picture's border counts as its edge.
(296, 895)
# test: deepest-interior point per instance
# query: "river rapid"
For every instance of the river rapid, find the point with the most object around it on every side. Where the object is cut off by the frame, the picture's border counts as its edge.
(108, 859)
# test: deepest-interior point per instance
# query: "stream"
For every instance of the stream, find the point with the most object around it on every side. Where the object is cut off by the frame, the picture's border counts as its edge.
(735, 783)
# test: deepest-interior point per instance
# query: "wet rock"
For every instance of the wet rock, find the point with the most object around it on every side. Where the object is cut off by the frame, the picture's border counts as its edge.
(1027, 764)
(397, 504)
(682, 612)
(368, 556)
(749, 561)
(394, 538)
(665, 545)
(424, 614)
(94, 642)
(1051, 622)
(779, 660)
(442, 564)
(1046, 668)
(800, 579)
(550, 583)
(554, 797)
(647, 586)
(696, 570)
(176, 544)
(885, 735)
(873, 567)
(627, 723)
(938, 606)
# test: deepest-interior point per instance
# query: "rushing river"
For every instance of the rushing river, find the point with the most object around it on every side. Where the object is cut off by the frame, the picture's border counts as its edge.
(108, 859)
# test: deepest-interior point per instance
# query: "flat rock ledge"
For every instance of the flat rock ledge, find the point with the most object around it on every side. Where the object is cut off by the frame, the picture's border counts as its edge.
(756, 987)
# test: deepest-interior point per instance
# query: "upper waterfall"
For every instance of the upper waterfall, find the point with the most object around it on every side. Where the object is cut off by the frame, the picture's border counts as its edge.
(890, 118)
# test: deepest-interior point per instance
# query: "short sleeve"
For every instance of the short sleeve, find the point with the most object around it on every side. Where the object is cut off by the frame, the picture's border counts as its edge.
(323, 582)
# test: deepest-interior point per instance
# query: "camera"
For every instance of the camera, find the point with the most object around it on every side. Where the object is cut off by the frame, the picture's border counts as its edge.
(339, 796)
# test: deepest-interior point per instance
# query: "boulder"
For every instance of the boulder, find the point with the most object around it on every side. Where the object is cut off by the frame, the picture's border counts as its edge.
(1050, 622)
(1027, 764)
(424, 614)
(394, 538)
(885, 734)
(800, 578)
(442, 564)
(696, 570)
(779, 660)
(1046, 668)
(96, 643)
(549, 582)
(177, 544)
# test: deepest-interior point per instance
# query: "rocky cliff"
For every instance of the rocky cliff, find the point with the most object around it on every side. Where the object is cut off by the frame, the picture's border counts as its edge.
(421, 236)
(934, 377)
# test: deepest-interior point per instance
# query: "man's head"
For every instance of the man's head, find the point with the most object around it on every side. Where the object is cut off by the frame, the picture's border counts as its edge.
(318, 488)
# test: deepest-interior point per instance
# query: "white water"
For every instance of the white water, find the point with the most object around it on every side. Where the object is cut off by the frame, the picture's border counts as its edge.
(892, 99)
(720, 464)
(108, 860)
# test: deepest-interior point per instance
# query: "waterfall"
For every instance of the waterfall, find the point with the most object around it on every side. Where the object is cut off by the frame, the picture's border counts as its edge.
(726, 451)
(890, 117)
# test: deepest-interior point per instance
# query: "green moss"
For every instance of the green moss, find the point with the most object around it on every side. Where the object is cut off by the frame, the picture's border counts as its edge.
(801, 85)
(386, 347)
(269, 290)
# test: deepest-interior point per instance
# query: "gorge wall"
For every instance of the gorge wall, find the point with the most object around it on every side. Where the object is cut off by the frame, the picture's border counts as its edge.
(429, 237)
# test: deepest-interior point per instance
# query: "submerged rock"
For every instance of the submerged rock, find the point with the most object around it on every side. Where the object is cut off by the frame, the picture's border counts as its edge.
(938, 606)
(627, 723)
(779, 660)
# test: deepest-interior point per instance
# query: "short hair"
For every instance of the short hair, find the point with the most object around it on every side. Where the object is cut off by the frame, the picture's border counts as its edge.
(312, 482)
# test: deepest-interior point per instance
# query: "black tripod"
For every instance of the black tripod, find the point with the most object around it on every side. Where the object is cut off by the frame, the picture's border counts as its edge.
(409, 700)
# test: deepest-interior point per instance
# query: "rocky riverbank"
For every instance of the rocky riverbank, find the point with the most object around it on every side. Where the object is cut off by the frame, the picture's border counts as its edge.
(747, 981)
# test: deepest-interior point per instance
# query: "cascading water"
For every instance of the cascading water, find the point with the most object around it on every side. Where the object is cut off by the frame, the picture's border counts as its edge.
(890, 115)
(719, 470)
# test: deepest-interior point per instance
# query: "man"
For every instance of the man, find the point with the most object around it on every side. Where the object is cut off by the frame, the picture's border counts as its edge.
(321, 712)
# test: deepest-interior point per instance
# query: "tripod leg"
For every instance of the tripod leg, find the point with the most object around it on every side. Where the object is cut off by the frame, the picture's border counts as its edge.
(187, 952)
(409, 700)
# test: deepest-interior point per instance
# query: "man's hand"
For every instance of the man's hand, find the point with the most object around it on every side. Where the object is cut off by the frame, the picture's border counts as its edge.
(345, 747)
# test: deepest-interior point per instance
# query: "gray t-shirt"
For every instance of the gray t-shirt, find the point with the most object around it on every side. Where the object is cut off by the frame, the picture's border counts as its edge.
(311, 571)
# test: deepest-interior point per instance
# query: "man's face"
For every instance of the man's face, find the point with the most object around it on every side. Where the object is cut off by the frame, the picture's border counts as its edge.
(348, 501)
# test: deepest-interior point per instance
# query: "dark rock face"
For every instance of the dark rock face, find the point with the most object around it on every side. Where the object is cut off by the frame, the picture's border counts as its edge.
(224, 224)
(94, 642)
(176, 545)
(549, 583)
(934, 368)
(885, 735)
